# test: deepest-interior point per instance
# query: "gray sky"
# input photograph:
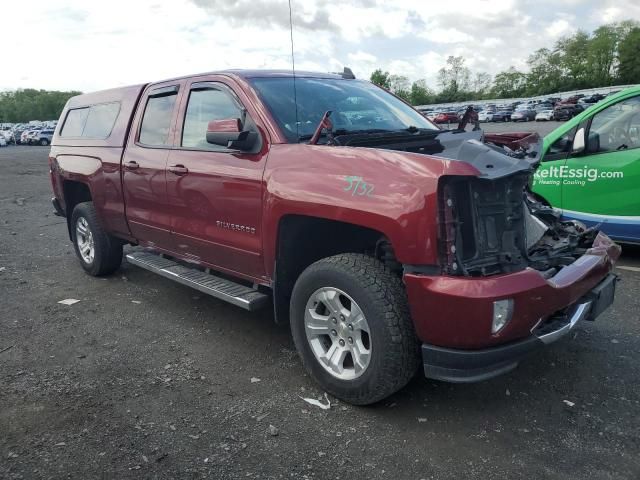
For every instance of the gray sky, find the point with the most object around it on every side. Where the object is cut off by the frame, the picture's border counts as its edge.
(90, 45)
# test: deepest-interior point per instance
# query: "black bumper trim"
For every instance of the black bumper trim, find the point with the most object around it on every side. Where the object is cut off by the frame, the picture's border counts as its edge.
(466, 366)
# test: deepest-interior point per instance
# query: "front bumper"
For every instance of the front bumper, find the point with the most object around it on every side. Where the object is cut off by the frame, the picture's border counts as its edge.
(464, 366)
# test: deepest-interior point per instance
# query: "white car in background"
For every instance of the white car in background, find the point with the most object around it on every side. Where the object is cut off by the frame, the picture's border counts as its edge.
(485, 116)
(544, 115)
(3, 142)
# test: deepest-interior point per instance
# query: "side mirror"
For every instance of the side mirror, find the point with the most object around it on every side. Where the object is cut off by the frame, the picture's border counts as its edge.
(578, 142)
(228, 133)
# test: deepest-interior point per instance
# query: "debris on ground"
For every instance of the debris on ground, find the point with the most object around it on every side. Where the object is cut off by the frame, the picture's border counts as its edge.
(69, 301)
(273, 431)
(568, 403)
(318, 403)
(255, 379)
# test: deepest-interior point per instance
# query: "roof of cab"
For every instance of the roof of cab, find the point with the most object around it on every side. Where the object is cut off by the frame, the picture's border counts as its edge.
(246, 74)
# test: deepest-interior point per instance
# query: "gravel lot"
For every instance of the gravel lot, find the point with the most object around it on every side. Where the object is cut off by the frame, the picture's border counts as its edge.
(144, 378)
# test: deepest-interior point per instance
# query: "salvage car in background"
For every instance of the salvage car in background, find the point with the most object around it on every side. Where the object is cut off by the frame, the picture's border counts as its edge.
(590, 166)
(447, 117)
(523, 115)
(485, 115)
(567, 111)
(544, 115)
(42, 137)
(501, 116)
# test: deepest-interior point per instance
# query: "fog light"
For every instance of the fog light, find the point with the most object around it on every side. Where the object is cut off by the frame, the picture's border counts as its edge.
(502, 311)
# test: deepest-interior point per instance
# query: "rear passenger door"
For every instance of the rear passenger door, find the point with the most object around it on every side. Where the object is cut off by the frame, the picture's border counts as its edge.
(144, 165)
(215, 194)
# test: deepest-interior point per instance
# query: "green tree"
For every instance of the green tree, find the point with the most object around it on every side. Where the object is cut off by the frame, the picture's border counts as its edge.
(29, 104)
(420, 93)
(510, 83)
(454, 79)
(629, 57)
(481, 84)
(400, 86)
(380, 78)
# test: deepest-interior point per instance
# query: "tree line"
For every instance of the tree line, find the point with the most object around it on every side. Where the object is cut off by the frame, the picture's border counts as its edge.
(29, 104)
(610, 55)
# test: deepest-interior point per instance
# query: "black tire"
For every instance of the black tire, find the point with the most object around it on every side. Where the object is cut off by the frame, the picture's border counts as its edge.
(44, 142)
(395, 353)
(107, 249)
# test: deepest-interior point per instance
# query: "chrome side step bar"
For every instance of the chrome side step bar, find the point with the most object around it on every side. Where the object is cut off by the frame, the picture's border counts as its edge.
(218, 287)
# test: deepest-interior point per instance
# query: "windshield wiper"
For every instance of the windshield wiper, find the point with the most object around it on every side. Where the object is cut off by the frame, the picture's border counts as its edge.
(365, 131)
(344, 131)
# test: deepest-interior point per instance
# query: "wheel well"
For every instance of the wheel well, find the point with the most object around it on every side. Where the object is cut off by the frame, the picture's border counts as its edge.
(74, 193)
(304, 240)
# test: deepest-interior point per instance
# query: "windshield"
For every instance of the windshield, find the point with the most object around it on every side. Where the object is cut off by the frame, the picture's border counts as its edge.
(357, 106)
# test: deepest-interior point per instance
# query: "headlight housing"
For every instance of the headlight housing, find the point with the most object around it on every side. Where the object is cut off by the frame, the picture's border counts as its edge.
(502, 313)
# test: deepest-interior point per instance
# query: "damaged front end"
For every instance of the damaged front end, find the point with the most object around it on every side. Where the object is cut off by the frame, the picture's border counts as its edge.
(493, 224)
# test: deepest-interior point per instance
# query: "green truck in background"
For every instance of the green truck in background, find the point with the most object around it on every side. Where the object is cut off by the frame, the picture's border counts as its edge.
(590, 166)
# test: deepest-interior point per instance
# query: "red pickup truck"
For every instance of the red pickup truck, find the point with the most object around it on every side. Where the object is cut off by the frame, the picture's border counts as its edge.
(384, 241)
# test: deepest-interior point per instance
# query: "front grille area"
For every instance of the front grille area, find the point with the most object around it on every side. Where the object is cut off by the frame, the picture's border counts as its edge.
(482, 225)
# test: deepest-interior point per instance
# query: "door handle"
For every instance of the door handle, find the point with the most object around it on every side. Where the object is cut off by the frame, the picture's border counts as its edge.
(131, 165)
(178, 169)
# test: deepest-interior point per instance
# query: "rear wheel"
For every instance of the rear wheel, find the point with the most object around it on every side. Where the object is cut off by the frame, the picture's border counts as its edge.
(351, 326)
(44, 142)
(99, 252)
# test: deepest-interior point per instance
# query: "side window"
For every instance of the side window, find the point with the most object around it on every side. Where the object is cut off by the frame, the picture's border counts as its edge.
(562, 144)
(616, 127)
(157, 119)
(206, 105)
(74, 123)
(100, 120)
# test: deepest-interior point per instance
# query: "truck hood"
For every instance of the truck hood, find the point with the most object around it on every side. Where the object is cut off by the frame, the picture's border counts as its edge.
(492, 155)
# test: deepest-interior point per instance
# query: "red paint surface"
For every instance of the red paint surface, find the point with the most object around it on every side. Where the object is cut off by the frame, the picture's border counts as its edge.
(457, 311)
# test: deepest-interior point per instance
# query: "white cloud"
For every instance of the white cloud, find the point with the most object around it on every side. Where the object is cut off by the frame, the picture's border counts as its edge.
(93, 44)
(558, 28)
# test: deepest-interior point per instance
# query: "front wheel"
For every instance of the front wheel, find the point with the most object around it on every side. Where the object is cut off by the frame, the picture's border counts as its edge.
(351, 326)
(99, 252)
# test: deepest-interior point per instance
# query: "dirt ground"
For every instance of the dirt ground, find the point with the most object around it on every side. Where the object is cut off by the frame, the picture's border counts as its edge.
(144, 378)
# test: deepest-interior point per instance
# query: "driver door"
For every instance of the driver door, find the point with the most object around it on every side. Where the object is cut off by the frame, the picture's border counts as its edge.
(603, 182)
(215, 193)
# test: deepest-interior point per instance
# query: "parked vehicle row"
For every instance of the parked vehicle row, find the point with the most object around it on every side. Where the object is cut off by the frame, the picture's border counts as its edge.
(28, 135)
(520, 111)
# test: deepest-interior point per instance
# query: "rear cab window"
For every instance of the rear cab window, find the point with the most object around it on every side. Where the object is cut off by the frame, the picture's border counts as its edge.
(95, 121)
